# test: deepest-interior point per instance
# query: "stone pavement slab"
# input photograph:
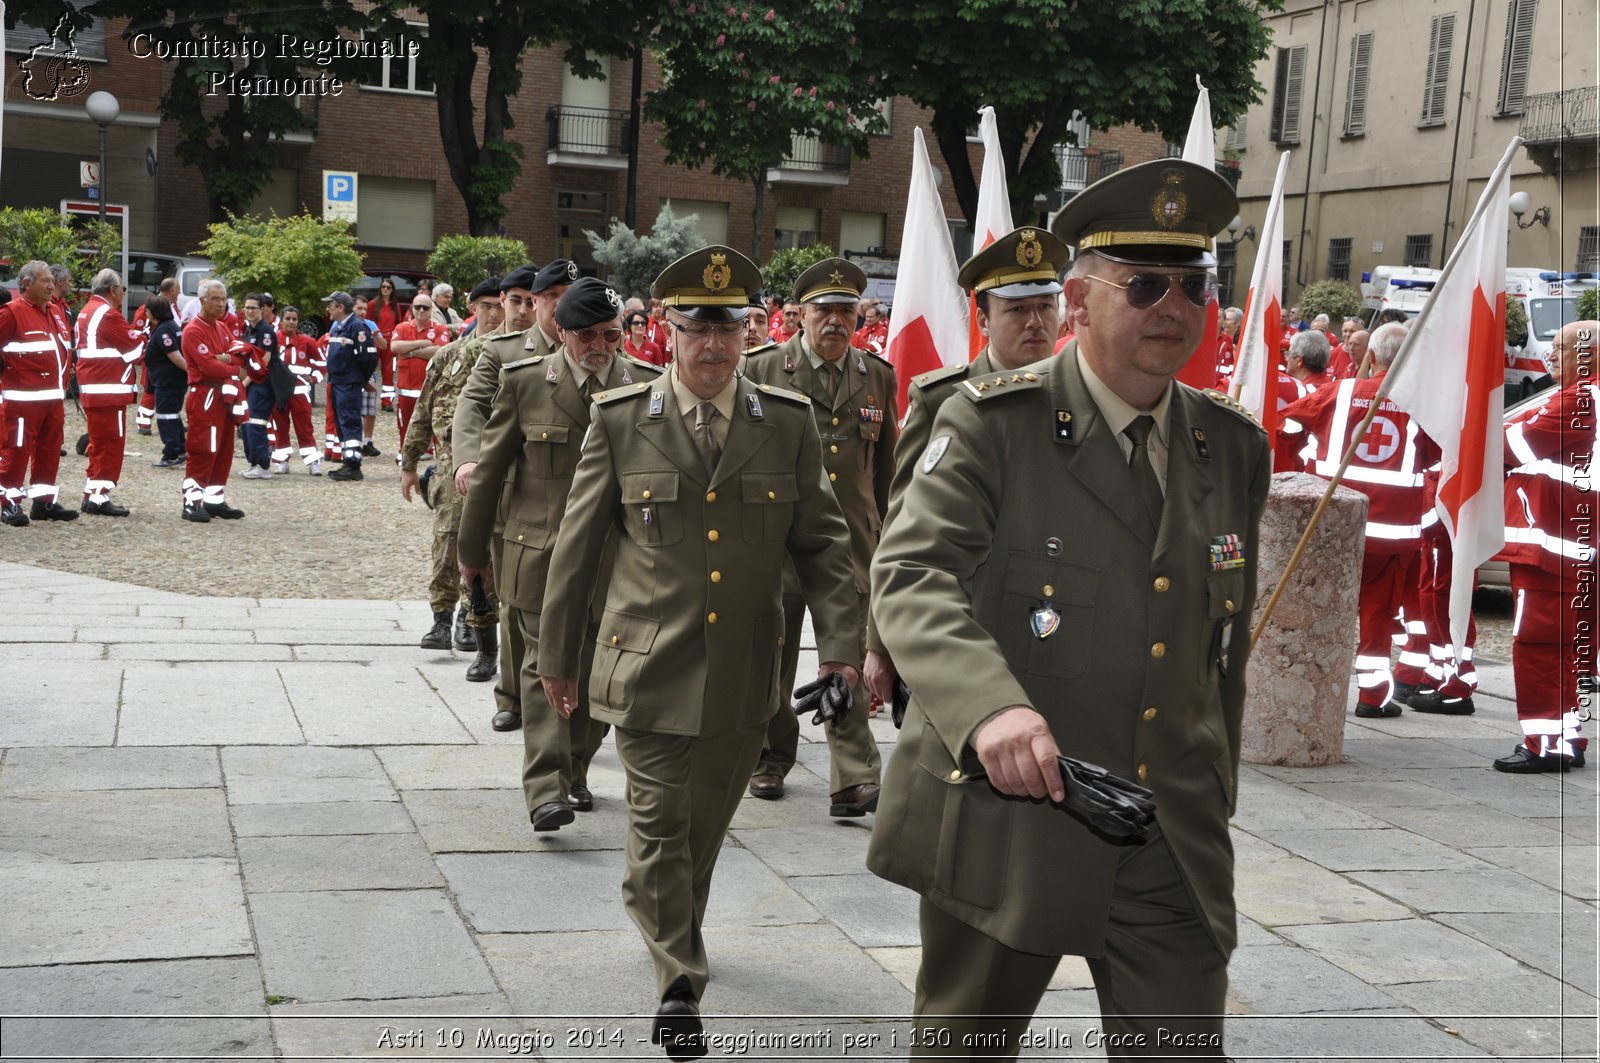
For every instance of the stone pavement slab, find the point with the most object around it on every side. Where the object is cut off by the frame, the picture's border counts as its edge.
(59, 912)
(73, 706)
(1274, 887)
(476, 767)
(1339, 849)
(872, 913)
(368, 705)
(1286, 980)
(206, 1006)
(265, 775)
(221, 703)
(1561, 944)
(100, 825)
(1568, 867)
(1480, 889)
(1377, 1036)
(1465, 825)
(144, 651)
(320, 817)
(1403, 950)
(815, 845)
(66, 769)
(1520, 1013)
(496, 821)
(349, 1029)
(366, 944)
(337, 862)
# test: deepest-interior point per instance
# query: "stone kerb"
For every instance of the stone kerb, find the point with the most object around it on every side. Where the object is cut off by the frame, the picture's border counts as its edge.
(1299, 677)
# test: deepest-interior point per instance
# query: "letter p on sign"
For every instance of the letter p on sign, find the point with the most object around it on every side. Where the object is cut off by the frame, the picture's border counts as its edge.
(339, 195)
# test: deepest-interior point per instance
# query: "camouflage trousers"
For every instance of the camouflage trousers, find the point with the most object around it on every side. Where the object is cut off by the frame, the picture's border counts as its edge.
(445, 588)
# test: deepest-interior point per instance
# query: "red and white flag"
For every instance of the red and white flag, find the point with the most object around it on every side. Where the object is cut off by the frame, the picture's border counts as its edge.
(928, 329)
(1200, 148)
(1255, 367)
(994, 212)
(1453, 388)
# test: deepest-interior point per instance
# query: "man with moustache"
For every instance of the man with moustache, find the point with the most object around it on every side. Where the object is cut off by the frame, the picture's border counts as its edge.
(852, 395)
(1015, 281)
(535, 430)
(708, 484)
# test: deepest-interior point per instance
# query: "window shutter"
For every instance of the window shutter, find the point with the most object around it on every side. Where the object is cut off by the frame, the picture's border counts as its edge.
(1293, 91)
(1355, 102)
(1441, 41)
(1518, 54)
(1236, 135)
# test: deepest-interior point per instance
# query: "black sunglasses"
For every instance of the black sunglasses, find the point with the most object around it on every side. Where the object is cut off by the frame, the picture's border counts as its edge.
(1145, 290)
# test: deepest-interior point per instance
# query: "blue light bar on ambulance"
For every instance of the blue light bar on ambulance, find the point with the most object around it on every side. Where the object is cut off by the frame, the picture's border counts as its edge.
(1419, 286)
(1571, 275)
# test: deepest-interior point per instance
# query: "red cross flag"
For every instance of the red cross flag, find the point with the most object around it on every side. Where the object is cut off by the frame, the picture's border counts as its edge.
(1200, 148)
(929, 327)
(1453, 389)
(1255, 368)
(994, 213)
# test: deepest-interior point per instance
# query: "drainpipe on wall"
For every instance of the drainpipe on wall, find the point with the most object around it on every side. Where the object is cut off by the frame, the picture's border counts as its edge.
(1311, 150)
(1455, 134)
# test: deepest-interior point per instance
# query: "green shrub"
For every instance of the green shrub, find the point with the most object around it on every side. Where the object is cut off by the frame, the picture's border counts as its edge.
(298, 259)
(1516, 323)
(633, 260)
(463, 261)
(1589, 305)
(787, 265)
(1335, 298)
(83, 245)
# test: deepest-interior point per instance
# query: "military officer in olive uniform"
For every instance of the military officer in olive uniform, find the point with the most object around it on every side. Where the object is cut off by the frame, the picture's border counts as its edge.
(535, 429)
(1015, 281)
(1079, 579)
(528, 296)
(708, 482)
(852, 395)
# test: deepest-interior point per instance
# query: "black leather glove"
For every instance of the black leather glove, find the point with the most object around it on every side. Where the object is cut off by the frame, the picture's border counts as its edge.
(899, 699)
(829, 696)
(1109, 803)
(480, 598)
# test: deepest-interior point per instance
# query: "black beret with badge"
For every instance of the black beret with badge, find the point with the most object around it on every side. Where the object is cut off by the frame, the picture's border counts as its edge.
(522, 277)
(491, 286)
(833, 280)
(1161, 213)
(1024, 262)
(711, 284)
(561, 271)
(589, 301)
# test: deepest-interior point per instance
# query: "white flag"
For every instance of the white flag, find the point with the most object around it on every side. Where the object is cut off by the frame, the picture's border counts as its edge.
(928, 328)
(994, 211)
(1454, 389)
(1200, 146)
(1255, 369)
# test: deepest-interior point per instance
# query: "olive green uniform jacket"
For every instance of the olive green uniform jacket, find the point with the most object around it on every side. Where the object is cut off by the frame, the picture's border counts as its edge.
(858, 430)
(472, 408)
(690, 640)
(1024, 502)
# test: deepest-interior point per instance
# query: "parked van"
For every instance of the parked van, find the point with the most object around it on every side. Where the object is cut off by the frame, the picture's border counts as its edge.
(1551, 300)
(147, 269)
(1395, 288)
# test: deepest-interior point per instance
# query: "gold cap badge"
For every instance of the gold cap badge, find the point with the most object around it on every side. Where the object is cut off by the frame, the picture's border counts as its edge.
(1170, 206)
(1030, 252)
(716, 275)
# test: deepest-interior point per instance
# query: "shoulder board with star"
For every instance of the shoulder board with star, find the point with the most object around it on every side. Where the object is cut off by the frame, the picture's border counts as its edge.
(988, 387)
(770, 345)
(783, 393)
(626, 391)
(521, 362)
(505, 339)
(1228, 403)
(950, 373)
(640, 363)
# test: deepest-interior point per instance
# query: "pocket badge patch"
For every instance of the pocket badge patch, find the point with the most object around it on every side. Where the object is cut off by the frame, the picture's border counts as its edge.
(935, 451)
(1044, 620)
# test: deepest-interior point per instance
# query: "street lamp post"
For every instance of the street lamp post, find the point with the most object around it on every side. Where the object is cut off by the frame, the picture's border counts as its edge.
(103, 108)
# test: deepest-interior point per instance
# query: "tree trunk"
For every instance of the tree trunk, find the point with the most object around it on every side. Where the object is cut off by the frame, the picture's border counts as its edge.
(758, 215)
(951, 135)
(454, 61)
(635, 116)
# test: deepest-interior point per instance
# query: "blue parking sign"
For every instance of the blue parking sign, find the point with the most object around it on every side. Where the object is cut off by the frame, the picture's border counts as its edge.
(339, 195)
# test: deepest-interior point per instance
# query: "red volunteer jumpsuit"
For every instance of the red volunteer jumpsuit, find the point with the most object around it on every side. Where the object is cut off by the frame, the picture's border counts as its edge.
(305, 361)
(146, 414)
(214, 389)
(1550, 540)
(109, 353)
(1387, 468)
(388, 318)
(411, 368)
(34, 346)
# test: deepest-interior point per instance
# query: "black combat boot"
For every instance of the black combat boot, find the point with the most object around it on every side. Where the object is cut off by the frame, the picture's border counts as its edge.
(438, 636)
(487, 663)
(466, 637)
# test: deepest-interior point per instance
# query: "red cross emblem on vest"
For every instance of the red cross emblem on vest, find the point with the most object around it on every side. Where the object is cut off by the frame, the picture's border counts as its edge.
(1380, 442)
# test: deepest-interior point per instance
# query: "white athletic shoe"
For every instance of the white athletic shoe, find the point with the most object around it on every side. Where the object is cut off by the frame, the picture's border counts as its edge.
(281, 468)
(256, 472)
(315, 468)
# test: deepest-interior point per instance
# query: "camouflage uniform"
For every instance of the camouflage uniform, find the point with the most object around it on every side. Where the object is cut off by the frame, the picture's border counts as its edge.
(448, 371)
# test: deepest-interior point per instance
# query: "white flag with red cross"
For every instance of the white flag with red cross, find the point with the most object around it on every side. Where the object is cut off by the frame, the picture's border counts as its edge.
(928, 329)
(1452, 386)
(994, 212)
(1255, 368)
(1200, 148)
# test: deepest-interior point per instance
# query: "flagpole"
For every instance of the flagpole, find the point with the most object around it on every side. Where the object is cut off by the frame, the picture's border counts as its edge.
(1258, 281)
(1389, 378)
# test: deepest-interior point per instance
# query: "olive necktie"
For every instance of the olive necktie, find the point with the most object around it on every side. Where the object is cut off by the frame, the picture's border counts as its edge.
(705, 441)
(1144, 474)
(830, 373)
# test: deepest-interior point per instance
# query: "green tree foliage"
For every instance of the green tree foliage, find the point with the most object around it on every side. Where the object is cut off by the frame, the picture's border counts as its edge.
(463, 261)
(743, 80)
(634, 261)
(299, 259)
(1589, 305)
(1335, 298)
(785, 266)
(230, 134)
(1039, 62)
(83, 245)
(1516, 323)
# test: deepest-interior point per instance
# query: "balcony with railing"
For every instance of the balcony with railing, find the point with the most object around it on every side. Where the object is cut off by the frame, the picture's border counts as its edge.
(592, 137)
(811, 162)
(1080, 168)
(1559, 129)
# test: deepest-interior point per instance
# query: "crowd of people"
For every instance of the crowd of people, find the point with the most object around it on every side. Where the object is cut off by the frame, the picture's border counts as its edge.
(1051, 555)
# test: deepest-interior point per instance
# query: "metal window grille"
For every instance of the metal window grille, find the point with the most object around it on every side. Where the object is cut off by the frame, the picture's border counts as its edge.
(1589, 248)
(1288, 257)
(1419, 249)
(1227, 268)
(1339, 258)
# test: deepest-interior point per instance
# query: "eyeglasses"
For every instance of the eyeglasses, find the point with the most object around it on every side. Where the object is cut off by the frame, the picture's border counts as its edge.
(701, 328)
(589, 335)
(1145, 290)
(421, 306)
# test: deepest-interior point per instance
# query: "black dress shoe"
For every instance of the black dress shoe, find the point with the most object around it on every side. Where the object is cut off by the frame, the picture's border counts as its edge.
(107, 508)
(83, 444)
(581, 799)
(346, 473)
(43, 510)
(677, 1028)
(552, 815)
(858, 800)
(506, 720)
(1379, 712)
(223, 511)
(168, 463)
(370, 449)
(1404, 691)
(1523, 761)
(1433, 702)
(196, 512)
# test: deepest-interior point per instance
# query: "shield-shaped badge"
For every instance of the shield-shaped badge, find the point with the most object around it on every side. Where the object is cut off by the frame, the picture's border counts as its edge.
(1044, 620)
